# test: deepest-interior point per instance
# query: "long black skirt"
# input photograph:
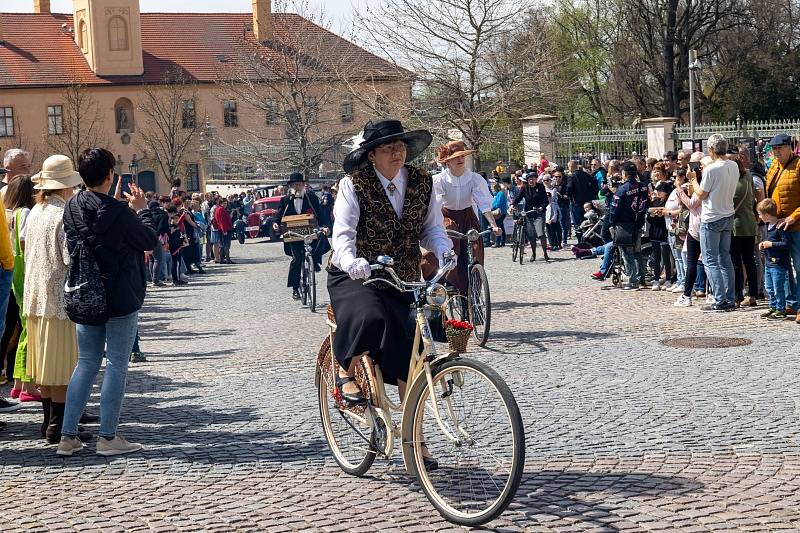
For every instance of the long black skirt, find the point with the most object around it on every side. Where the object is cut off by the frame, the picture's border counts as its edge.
(374, 320)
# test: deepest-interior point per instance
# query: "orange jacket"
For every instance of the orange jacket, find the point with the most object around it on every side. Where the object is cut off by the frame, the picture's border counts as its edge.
(787, 191)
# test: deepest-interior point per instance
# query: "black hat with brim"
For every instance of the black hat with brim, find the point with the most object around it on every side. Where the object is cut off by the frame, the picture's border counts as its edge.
(383, 132)
(295, 177)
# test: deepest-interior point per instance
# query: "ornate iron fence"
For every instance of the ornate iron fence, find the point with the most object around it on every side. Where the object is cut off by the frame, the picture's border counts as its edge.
(600, 142)
(737, 130)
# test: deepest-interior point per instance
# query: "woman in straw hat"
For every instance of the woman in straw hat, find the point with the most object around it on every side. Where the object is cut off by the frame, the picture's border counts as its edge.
(52, 342)
(460, 191)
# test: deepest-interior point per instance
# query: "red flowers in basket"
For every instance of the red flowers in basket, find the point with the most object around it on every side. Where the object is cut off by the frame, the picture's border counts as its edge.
(457, 327)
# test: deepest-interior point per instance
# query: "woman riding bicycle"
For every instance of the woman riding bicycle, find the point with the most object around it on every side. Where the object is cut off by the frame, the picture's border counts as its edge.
(383, 207)
(460, 190)
(534, 195)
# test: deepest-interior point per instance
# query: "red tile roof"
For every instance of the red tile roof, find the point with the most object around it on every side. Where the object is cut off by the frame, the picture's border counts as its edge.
(38, 53)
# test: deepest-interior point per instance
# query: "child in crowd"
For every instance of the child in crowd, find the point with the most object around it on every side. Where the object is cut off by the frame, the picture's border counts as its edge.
(659, 238)
(177, 242)
(776, 266)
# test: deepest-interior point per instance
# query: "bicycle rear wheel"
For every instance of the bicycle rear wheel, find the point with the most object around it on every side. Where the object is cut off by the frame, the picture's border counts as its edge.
(515, 244)
(312, 284)
(350, 440)
(480, 305)
(521, 243)
(303, 283)
(477, 476)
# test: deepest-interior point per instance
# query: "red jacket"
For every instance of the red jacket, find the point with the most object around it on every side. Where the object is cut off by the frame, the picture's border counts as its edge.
(223, 219)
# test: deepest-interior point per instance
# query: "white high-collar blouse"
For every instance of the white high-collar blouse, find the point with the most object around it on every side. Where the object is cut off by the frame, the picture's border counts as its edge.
(460, 192)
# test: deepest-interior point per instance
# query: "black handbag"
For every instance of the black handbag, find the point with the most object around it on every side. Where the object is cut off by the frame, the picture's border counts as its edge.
(624, 234)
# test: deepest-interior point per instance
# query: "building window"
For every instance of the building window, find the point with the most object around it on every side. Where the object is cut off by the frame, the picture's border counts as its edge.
(55, 119)
(188, 115)
(123, 115)
(292, 124)
(83, 36)
(6, 121)
(192, 177)
(230, 114)
(117, 33)
(271, 108)
(381, 105)
(346, 109)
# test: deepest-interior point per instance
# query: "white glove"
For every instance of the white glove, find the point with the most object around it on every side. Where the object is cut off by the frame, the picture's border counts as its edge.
(359, 269)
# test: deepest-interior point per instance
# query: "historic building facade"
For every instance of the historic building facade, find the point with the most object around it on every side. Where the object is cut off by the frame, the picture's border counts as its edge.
(107, 53)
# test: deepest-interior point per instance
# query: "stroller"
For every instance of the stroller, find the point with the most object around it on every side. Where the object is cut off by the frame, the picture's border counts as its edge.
(592, 227)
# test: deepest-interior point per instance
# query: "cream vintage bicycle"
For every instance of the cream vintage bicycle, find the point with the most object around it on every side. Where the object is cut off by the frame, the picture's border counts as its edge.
(457, 408)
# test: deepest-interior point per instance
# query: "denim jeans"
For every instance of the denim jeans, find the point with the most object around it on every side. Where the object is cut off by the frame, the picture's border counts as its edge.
(679, 266)
(566, 222)
(775, 278)
(715, 244)
(6, 278)
(793, 288)
(632, 264)
(116, 338)
(607, 251)
(158, 258)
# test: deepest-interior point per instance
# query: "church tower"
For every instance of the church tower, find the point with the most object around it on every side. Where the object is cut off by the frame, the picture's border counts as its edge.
(109, 33)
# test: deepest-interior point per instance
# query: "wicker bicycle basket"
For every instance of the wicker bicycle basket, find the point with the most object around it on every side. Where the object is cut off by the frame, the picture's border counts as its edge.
(458, 342)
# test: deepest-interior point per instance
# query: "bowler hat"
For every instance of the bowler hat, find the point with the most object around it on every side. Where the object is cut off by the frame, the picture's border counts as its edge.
(296, 177)
(781, 140)
(383, 132)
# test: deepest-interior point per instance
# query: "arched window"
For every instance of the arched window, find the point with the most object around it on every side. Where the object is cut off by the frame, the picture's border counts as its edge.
(117, 33)
(123, 115)
(83, 36)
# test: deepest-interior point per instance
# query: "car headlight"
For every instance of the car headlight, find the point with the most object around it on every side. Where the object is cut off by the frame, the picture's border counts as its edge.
(436, 294)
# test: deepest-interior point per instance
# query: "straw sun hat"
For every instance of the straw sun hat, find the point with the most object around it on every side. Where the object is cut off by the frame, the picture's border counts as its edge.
(57, 173)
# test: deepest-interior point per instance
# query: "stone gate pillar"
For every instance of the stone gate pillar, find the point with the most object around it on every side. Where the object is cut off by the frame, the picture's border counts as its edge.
(537, 138)
(659, 135)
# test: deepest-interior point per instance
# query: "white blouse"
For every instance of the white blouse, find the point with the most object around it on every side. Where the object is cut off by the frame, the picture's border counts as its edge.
(459, 192)
(346, 213)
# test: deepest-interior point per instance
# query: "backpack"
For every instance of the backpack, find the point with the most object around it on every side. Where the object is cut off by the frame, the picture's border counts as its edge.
(84, 289)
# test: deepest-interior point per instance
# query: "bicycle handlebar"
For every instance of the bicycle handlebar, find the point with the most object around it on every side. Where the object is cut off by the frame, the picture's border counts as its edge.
(408, 286)
(308, 237)
(472, 235)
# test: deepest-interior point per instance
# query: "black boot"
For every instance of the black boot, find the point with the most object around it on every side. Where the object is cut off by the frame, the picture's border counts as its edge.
(46, 411)
(53, 433)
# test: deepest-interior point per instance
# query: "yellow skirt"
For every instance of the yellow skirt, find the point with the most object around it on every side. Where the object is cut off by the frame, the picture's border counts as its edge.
(52, 350)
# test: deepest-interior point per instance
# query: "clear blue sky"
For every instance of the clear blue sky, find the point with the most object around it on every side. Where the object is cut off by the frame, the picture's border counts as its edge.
(339, 12)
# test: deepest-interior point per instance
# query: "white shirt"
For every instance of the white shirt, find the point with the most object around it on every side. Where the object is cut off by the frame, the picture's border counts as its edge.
(719, 181)
(347, 212)
(298, 205)
(459, 192)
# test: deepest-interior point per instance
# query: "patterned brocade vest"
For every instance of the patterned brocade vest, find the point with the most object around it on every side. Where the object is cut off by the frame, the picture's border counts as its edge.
(381, 232)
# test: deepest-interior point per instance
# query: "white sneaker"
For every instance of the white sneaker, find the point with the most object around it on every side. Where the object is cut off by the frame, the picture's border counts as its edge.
(683, 301)
(69, 445)
(676, 288)
(656, 286)
(667, 286)
(710, 299)
(116, 446)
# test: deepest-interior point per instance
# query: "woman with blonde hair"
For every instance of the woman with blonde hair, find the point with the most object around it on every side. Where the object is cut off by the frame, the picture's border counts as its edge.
(52, 341)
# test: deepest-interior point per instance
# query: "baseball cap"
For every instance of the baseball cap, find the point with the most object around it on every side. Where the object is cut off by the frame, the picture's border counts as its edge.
(781, 140)
(629, 167)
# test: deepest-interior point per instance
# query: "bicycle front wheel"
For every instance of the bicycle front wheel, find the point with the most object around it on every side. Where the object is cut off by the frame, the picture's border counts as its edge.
(477, 475)
(303, 283)
(521, 244)
(480, 305)
(350, 440)
(515, 244)
(312, 284)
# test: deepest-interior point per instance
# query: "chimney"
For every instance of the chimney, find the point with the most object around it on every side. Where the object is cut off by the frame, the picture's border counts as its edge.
(262, 19)
(41, 6)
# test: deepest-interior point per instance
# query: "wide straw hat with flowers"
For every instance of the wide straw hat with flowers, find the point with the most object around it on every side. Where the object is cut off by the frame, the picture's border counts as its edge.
(452, 150)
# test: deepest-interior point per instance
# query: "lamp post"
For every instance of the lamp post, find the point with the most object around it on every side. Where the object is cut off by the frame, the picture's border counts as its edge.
(694, 65)
(133, 167)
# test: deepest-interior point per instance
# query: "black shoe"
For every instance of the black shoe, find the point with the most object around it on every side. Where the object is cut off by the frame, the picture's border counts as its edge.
(7, 407)
(715, 308)
(229, 262)
(200, 270)
(295, 294)
(137, 357)
(191, 271)
(89, 418)
(349, 399)
(532, 259)
(430, 463)
(179, 282)
(546, 258)
(317, 268)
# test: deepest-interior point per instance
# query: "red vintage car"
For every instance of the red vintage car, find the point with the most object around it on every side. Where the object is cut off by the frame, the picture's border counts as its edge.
(259, 222)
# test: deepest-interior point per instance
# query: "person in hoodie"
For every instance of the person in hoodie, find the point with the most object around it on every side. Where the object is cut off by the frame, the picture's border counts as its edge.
(161, 225)
(120, 232)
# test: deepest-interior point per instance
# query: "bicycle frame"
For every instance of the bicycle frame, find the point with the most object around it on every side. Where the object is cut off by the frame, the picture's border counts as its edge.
(419, 368)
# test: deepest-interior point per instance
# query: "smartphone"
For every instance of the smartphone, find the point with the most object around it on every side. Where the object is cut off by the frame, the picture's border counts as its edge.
(694, 166)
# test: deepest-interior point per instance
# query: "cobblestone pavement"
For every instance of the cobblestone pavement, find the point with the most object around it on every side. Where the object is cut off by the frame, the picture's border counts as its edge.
(623, 433)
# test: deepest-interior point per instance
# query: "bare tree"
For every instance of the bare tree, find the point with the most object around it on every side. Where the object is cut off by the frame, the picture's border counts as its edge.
(171, 125)
(478, 63)
(81, 124)
(292, 83)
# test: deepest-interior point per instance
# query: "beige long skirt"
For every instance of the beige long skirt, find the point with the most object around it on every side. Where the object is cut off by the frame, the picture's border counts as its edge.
(52, 350)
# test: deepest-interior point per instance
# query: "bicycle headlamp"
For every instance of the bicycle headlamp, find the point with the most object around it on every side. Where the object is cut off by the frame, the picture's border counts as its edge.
(436, 294)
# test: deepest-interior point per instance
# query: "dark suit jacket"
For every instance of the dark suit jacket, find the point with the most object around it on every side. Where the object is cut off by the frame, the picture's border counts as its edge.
(310, 206)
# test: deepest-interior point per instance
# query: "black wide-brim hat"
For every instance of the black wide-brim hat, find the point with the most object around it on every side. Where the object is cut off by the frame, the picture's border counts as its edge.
(296, 177)
(386, 131)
